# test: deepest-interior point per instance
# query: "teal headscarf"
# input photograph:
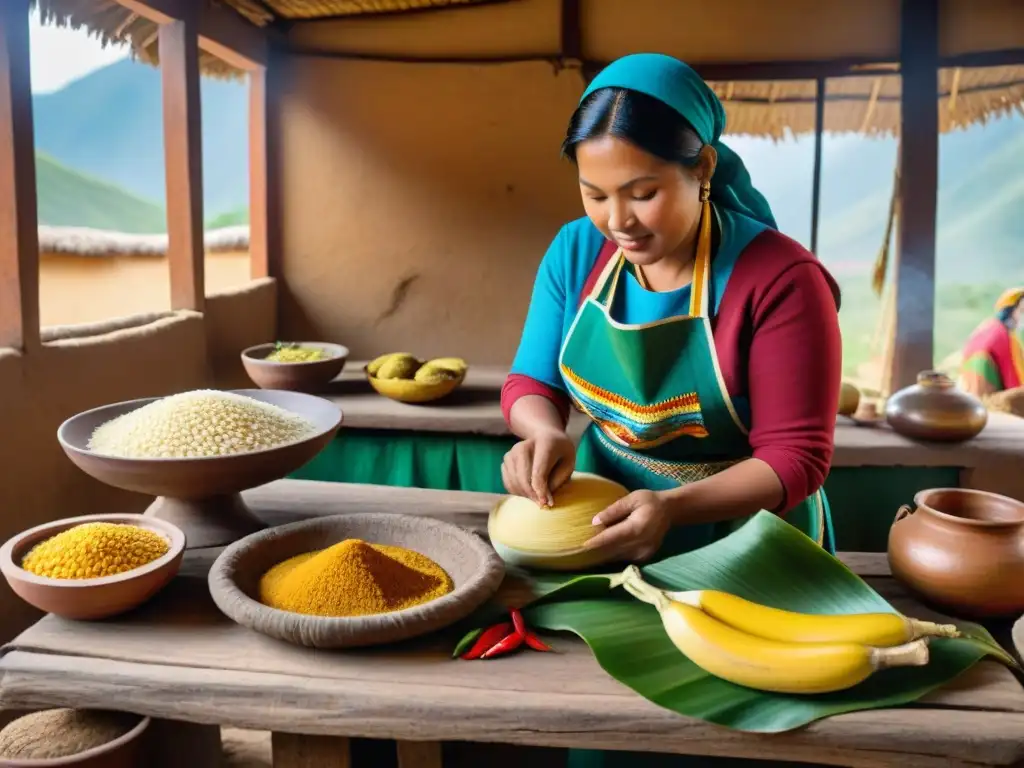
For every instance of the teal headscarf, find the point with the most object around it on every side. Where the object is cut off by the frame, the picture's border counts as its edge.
(677, 85)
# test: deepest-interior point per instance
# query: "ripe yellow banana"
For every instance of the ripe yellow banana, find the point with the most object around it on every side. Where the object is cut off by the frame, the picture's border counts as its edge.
(878, 629)
(771, 665)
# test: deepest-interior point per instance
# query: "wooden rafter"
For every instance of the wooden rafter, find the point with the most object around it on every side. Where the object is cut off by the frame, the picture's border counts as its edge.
(221, 32)
(19, 238)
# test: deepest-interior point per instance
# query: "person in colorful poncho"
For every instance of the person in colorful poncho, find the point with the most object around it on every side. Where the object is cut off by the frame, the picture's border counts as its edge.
(993, 359)
(702, 344)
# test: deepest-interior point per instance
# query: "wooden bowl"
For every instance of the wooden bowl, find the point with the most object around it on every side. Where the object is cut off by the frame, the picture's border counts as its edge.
(201, 495)
(474, 567)
(90, 599)
(312, 376)
(127, 751)
(409, 391)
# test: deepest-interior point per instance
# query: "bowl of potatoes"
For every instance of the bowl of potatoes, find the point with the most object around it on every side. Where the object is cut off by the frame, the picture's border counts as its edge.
(406, 378)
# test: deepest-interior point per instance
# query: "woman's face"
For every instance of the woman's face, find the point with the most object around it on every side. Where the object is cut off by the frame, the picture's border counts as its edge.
(649, 207)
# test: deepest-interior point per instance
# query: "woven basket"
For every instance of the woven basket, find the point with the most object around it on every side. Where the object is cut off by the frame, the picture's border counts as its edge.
(473, 565)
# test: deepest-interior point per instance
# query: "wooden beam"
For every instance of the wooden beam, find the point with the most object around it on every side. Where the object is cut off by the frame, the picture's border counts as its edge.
(265, 213)
(221, 31)
(259, 190)
(19, 233)
(179, 64)
(819, 129)
(919, 179)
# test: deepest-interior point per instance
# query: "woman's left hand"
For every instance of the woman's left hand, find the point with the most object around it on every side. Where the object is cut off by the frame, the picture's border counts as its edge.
(635, 526)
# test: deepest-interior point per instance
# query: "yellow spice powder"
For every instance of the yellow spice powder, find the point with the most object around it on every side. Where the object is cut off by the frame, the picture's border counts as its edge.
(354, 578)
(91, 550)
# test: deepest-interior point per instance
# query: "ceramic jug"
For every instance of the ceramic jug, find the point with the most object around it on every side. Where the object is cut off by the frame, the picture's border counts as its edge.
(935, 409)
(962, 550)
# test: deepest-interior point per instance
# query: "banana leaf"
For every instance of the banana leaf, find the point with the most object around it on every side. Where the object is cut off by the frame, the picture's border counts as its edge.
(767, 561)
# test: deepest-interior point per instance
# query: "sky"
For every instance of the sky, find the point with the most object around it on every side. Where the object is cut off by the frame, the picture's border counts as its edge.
(61, 54)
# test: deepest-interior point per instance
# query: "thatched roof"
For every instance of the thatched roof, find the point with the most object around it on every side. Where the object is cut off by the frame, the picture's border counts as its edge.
(869, 104)
(866, 103)
(112, 23)
(96, 243)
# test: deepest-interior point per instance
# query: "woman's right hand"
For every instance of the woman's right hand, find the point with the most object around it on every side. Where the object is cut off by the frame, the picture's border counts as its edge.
(539, 465)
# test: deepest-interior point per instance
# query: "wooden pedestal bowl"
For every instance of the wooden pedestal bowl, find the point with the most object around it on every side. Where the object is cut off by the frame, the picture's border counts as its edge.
(312, 376)
(127, 751)
(473, 565)
(90, 599)
(202, 495)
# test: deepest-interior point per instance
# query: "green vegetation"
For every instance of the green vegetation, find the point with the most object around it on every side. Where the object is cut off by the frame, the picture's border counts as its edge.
(237, 217)
(69, 198)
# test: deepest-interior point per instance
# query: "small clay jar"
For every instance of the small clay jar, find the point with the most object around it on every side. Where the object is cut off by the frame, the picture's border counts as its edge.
(935, 409)
(962, 550)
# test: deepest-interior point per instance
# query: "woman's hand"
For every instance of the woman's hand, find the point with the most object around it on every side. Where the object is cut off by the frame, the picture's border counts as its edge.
(635, 526)
(539, 466)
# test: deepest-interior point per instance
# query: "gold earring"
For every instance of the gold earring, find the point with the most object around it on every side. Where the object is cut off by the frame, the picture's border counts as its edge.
(704, 233)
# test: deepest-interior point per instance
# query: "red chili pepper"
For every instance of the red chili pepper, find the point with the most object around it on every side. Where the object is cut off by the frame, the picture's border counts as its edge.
(518, 622)
(488, 640)
(536, 643)
(508, 644)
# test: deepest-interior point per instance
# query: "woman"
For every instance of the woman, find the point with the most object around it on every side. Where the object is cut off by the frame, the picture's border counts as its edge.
(993, 356)
(703, 345)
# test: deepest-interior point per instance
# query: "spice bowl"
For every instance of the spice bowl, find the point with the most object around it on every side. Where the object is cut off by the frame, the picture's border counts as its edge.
(95, 598)
(130, 750)
(474, 567)
(306, 376)
(202, 495)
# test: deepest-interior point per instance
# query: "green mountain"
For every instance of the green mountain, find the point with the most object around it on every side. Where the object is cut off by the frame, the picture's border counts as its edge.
(69, 198)
(108, 124)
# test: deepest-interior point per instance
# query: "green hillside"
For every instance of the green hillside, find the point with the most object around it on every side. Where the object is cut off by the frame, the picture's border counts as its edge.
(238, 217)
(69, 198)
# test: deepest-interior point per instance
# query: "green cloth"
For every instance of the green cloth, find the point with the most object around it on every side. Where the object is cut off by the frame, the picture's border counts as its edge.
(674, 83)
(863, 500)
(442, 460)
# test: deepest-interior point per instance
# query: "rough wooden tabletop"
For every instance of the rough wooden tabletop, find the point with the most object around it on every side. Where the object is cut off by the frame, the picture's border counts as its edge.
(179, 658)
(475, 408)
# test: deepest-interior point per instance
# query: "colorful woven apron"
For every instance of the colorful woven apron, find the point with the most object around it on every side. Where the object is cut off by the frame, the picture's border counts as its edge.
(661, 417)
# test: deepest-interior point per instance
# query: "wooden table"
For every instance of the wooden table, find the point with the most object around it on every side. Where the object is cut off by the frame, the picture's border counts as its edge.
(180, 660)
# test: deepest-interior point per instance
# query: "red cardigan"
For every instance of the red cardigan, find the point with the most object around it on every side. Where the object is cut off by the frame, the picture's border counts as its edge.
(778, 344)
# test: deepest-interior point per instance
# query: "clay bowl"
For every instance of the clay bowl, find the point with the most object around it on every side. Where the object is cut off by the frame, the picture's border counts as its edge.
(313, 376)
(90, 599)
(475, 568)
(961, 550)
(408, 391)
(201, 495)
(127, 751)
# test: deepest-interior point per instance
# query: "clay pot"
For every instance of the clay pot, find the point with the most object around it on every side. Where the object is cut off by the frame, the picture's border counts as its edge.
(962, 550)
(935, 409)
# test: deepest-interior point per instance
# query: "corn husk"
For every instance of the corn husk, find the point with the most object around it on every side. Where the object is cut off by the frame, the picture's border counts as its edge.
(768, 561)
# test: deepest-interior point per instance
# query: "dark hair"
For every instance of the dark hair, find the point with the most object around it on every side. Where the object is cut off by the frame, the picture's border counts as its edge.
(640, 119)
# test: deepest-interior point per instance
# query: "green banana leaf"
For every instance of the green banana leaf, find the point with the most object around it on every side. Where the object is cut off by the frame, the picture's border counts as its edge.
(767, 561)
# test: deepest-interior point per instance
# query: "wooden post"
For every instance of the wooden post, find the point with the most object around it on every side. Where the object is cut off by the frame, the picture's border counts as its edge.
(819, 128)
(919, 178)
(264, 186)
(19, 225)
(292, 750)
(179, 64)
